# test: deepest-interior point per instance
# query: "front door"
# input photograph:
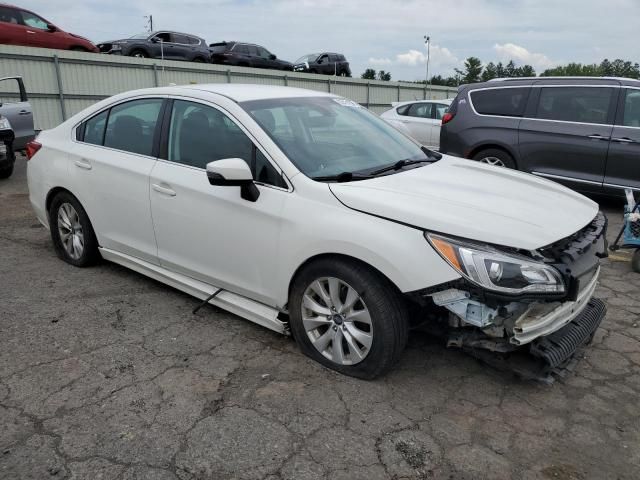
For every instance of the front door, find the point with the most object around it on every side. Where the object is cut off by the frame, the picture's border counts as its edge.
(110, 163)
(568, 137)
(15, 106)
(623, 162)
(209, 232)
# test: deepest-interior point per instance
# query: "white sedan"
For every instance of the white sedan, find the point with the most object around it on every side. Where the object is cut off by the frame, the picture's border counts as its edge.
(307, 214)
(420, 119)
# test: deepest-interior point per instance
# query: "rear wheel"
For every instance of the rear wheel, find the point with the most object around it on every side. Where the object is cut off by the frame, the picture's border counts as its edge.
(198, 60)
(71, 231)
(348, 317)
(495, 157)
(6, 171)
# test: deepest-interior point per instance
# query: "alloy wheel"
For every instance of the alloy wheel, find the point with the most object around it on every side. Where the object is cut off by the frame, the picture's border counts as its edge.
(495, 161)
(337, 321)
(70, 230)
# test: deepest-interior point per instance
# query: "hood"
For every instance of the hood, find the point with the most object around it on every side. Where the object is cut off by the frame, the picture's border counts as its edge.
(475, 201)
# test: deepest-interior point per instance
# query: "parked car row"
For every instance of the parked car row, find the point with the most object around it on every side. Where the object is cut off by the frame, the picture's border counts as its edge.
(19, 26)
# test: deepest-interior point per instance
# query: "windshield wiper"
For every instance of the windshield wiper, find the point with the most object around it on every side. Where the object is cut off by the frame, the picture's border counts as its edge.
(342, 177)
(431, 153)
(398, 165)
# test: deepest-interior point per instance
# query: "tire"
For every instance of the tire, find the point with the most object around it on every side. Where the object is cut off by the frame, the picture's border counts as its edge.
(378, 336)
(139, 54)
(494, 156)
(635, 261)
(198, 60)
(6, 172)
(66, 206)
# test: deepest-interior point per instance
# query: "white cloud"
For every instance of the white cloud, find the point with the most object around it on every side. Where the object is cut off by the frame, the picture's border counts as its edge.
(380, 61)
(510, 51)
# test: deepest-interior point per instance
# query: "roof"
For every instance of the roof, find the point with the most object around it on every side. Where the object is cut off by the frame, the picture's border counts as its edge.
(247, 92)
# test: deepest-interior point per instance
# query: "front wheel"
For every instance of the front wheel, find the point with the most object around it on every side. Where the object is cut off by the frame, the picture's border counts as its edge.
(348, 317)
(495, 157)
(139, 54)
(635, 261)
(6, 171)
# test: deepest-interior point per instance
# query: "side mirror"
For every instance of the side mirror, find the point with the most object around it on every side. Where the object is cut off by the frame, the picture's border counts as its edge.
(319, 61)
(272, 57)
(52, 28)
(154, 39)
(233, 172)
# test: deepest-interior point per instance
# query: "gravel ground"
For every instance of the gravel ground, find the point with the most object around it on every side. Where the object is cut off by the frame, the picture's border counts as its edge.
(105, 374)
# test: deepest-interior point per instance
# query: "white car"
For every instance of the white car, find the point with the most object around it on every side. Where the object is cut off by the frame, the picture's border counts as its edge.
(305, 213)
(420, 119)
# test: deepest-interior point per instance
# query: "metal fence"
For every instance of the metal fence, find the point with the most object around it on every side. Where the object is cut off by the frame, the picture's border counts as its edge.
(61, 83)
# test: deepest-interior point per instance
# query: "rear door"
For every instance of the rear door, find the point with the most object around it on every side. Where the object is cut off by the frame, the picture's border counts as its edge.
(181, 48)
(12, 32)
(567, 138)
(437, 112)
(111, 161)
(15, 106)
(623, 162)
(419, 122)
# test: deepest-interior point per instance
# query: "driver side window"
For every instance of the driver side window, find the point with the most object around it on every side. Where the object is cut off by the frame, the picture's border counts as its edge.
(33, 21)
(199, 134)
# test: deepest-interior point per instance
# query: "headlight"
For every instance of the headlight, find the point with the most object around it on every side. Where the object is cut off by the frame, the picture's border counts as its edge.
(495, 270)
(115, 46)
(4, 123)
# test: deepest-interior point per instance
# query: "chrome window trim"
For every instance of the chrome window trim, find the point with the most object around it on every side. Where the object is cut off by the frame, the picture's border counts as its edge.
(473, 108)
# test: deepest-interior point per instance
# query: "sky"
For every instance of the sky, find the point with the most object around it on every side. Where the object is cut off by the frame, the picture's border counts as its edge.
(381, 34)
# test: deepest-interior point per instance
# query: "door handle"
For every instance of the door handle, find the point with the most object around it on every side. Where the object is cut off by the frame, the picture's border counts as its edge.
(83, 164)
(623, 140)
(31, 32)
(163, 190)
(597, 136)
(24, 112)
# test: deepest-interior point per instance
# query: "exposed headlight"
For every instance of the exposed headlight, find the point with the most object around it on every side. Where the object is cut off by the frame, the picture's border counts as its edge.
(115, 46)
(5, 124)
(494, 270)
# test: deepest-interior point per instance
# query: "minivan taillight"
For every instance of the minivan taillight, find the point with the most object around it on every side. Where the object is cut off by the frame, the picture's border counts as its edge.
(32, 149)
(447, 117)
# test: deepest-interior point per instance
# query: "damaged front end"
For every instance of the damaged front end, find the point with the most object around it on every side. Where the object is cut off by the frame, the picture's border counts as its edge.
(529, 312)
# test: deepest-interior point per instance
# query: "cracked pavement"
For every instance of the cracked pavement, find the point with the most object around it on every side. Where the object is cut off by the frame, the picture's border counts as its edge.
(106, 374)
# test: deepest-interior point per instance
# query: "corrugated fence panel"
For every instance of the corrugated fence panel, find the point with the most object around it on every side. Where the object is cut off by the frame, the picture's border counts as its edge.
(86, 78)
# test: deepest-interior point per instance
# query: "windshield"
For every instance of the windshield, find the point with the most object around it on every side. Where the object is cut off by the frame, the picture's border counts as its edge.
(141, 36)
(325, 136)
(307, 58)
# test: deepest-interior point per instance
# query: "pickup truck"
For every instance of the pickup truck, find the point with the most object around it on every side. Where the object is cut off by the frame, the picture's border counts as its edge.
(16, 122)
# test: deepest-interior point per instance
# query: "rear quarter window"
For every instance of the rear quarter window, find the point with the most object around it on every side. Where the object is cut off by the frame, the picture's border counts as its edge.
(507, 102)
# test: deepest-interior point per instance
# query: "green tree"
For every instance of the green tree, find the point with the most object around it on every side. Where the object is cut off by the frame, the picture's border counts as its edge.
(527, 71)
(385, 76)
(472, 70)
(490, 71)
(369, 74)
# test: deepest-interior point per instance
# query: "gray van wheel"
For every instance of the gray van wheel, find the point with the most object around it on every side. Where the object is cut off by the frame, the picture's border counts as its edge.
(495, 157)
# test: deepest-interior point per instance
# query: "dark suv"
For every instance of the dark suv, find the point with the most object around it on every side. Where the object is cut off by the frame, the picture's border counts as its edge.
(326, 63)
(167, 45)
(583, 132)
(246, 55)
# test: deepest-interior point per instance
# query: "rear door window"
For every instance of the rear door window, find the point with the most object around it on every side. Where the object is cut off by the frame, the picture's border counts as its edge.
(420, 110)
(439, 109)
(132, 125)
(508, 102)
(575, 104)
(179, 38)
(94, 129)
(9, 15)
(631, 117)
(403, 110)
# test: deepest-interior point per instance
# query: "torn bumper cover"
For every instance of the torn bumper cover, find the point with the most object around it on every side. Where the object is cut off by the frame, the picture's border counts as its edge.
(539, 336)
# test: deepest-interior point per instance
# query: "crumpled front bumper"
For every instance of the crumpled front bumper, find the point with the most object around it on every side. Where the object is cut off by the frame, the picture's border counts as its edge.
(544, 318)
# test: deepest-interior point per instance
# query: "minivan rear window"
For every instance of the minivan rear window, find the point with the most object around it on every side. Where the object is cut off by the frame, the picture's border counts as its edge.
(507, 102)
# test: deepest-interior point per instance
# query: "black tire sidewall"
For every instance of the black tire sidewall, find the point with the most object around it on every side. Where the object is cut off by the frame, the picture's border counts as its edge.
(635, 261)
(388, 316)
(6, 171)
(494, 152)
(90, 255)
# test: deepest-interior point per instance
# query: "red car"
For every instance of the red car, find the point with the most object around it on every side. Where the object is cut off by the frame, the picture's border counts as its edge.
(22, 27)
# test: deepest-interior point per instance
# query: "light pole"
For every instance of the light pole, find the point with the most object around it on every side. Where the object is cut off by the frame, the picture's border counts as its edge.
(427, 41)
